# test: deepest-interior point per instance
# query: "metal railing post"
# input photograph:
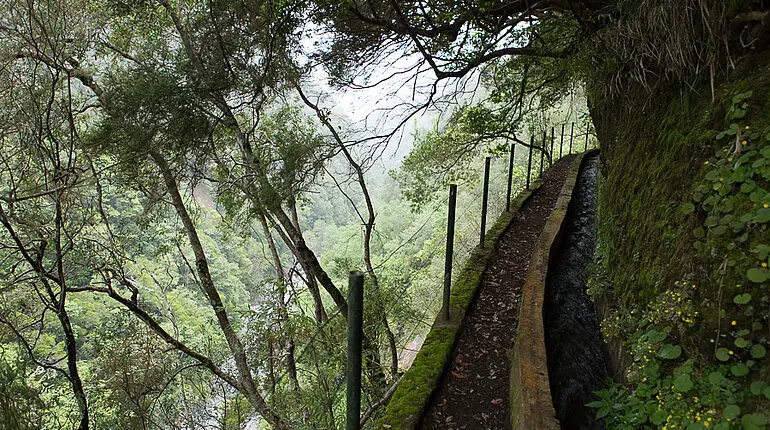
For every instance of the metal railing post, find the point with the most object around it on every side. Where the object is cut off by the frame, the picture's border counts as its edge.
(510, 179)
(561, 141)
(529, 162)
(586, 148)
(484, 201)
(571, 136)
(550, 152)
(450, 240)
(542, 152)
(355, 336)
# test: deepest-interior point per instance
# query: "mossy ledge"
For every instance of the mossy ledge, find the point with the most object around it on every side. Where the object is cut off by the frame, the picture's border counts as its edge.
(407, 406)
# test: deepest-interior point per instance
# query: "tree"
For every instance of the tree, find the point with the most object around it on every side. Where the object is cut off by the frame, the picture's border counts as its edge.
(453, 38)
(43, 175)
(19, 403)
(169, 125)
(527, 55)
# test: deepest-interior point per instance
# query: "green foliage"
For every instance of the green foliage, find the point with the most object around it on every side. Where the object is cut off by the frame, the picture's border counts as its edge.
(526, 94)
(671, 391)
(292, 148)
(444, 156)
(131, 357)
(150, 107)
(20, 404)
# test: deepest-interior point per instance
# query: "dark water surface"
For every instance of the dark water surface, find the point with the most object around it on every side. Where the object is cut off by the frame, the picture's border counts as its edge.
(576, 366)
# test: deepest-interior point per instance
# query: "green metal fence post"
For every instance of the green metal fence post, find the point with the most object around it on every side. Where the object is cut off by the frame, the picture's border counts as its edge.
(484, 201)
(355, 336)
(450, 240)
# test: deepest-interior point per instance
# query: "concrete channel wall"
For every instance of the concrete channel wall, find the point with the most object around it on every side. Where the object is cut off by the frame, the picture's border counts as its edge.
(530, 394)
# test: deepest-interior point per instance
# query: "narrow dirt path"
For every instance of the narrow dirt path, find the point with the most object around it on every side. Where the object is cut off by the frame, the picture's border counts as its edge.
(474, 393)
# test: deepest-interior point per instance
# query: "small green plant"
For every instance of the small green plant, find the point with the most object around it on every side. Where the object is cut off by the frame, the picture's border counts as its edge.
(670, 390)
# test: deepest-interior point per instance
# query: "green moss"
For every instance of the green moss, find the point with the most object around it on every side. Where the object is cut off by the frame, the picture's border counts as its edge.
(408, 404)
(465, 286)
(649, 172)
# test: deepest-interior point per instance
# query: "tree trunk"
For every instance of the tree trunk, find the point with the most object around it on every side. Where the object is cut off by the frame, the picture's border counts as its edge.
(308, 256)
(271, 363)
(312, 283)
(283, 313)
(77, 383)
(368, 229)
(64, 320)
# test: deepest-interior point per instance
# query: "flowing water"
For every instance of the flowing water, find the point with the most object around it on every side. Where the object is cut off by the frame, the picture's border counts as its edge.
(576, 366)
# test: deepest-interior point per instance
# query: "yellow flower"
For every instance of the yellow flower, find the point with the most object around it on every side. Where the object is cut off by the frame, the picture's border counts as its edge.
(733, 323)
(765, 205)
(706, 162)
(747, 127)
(730, 352)
(764, 264)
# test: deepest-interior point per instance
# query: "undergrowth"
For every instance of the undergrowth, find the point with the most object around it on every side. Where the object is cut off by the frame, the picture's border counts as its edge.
(683, 259)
